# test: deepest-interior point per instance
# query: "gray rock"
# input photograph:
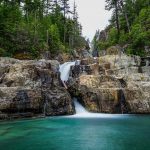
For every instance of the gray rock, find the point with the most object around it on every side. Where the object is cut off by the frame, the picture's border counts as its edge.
(32, 88)
(122, 87)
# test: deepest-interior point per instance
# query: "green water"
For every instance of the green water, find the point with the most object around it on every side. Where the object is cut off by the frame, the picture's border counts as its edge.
(122, 133)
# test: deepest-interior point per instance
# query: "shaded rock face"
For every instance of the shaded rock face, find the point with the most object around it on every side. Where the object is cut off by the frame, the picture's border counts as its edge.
(57, 102)
(117, 86)
(103, 35)
(87, 66)
(32, 88)
(16, 101)
(102, 94)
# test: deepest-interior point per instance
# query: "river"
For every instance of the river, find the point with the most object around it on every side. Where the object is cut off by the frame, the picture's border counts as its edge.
(60, 133)
(82, 131)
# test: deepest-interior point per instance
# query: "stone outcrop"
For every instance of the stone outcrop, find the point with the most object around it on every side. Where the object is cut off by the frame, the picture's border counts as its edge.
(117, 85)
(32, 88)
(108, 84)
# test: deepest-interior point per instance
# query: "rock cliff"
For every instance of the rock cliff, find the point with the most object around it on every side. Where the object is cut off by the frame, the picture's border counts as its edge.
(113, 84)
(32, 88)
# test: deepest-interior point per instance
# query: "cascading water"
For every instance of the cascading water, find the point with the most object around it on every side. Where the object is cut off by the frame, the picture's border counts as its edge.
(79, 108)
(81, 112)
(65, 70)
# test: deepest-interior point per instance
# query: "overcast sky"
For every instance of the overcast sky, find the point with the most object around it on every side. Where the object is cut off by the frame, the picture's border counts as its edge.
(92, 16)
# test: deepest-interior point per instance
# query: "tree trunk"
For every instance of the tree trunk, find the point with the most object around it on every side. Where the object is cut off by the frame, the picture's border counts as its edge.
(47, 7)
(47, 36)
(64, 31)
(126, 16)
(64, 25)
(117, 18)
(64, 3)
(35, 27)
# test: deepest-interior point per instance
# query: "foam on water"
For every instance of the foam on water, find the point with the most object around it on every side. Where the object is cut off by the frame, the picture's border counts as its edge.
(81, 112)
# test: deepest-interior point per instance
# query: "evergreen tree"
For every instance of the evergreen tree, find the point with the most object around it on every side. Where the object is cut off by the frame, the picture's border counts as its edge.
(66, 9)
(113, 4)
(30, 27)
(129, 26)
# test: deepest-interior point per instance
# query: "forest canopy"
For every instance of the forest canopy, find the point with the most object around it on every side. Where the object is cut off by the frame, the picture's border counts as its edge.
(30, 27)
(129, 27)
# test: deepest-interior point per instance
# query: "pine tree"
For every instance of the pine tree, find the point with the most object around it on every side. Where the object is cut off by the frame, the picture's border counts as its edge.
(66, 9)
(113, 4)
(124, 10)
(33, 26)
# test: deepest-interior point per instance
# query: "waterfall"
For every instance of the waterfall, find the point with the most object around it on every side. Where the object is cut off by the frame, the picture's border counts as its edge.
(79, 108)
(81, 112)
(65, 70)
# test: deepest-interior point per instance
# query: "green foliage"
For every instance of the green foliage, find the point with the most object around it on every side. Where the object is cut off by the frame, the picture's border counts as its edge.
(124, 38)
(140, 32)
(10, 17)
(2, 52)
(54, 37)
(103, 45)
(31, 27)
(113, 36)
(134, 26)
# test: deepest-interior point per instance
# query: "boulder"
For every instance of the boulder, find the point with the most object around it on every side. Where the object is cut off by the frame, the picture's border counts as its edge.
(32, 88)
(114, 50)
(120, 85)
(120, 61)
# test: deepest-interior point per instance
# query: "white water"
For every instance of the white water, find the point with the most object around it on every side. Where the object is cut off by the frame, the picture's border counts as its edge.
(65, 70)
(79, 108)
(81, 112)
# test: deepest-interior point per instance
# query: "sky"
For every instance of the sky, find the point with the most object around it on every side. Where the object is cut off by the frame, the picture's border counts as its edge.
(92, 16)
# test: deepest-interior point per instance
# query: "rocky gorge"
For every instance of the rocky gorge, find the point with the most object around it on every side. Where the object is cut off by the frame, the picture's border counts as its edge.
(113, 83)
